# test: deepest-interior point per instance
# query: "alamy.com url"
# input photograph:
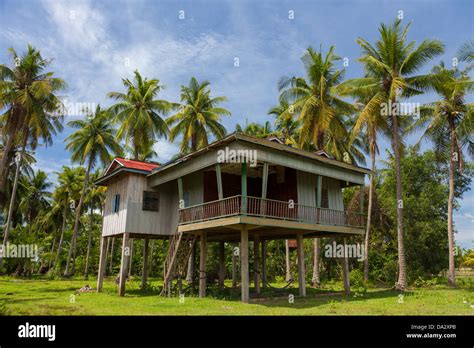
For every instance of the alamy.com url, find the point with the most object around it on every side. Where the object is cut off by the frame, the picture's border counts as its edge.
(431, 335)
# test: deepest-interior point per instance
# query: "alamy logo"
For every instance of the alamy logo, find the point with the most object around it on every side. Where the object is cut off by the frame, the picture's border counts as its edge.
(237, 156)
(22, 251)
(37, 331)
(345, 250)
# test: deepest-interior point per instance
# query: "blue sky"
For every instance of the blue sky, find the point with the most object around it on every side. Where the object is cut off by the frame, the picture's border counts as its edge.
(96, 43)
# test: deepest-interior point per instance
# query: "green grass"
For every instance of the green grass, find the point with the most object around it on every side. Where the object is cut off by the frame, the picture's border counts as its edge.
(53, 297)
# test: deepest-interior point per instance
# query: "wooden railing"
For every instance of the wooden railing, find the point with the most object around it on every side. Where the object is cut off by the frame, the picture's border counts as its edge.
(269, 208)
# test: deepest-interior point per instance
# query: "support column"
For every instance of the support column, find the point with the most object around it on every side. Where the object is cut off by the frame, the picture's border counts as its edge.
(301, 268)
(263, 205)
(264, 263)
(111, 256)
(145, 263)
(256, 263)
(202, 265)
(243, 187)
(244, 263)
(124, 263)
(345, 271)
(221, 265)
(102, 262)
(191, 263)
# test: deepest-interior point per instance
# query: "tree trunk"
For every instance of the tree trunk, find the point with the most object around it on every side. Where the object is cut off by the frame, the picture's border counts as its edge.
(72, 249)
(451, 273)
(51, 256)
(287, 261)
(13, 195)
(5, 168)
(111, 256)
(369, 217)
(89, 242)
(316, 256)
(402, 279)
(63, 228)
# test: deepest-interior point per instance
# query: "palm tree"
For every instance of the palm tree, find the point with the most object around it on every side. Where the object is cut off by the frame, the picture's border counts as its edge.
(450, 123)
(286, 127)
(95, 198)
(28, 94)
(198, 116)
(390, 68)
(255, 129)
(93, 144)
(319, 110)
(36, 196)
(369, 122)
(138, 113)
(65, 196)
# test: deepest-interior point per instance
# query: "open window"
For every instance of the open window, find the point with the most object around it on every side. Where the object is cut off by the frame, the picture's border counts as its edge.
(116, 204)
(151, 201)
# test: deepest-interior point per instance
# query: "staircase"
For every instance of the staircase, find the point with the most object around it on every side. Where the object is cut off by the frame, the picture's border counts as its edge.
(176, 262)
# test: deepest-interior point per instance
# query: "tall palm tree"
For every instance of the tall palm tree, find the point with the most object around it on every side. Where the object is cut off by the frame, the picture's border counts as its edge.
(95, 198)
(198, 116)
(65, 197)
(27, 93)
(318, 108)
(91, 144)
(139, 113)
(371, 123)
(450, 122)
(391, 66)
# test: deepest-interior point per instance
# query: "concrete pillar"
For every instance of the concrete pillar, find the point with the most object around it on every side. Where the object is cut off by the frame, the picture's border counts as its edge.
(124, 263)
(221, 265)
(145, 263)
(202, 265)
(301, 268)
(256, 262)
(244, 263)
(102, 262)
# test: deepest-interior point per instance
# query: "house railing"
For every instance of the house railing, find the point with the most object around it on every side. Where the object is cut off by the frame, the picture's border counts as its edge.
(269, 208)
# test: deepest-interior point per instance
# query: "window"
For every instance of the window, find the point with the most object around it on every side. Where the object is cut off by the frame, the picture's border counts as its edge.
(116, 204)
(151, 201)
(324, 198)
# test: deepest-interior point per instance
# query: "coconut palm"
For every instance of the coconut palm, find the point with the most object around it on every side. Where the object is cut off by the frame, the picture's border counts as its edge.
(92, 144)
(319, 110)
(450, 122)
(36, 196)
(198, 116)
(255, 129)
(65, 197)
(94, 199)
(286, 127)
(27, 93)
(391, 66)
(139, 113)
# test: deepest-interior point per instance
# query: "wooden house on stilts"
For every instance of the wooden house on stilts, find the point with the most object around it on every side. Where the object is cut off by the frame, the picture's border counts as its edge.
(239, 189)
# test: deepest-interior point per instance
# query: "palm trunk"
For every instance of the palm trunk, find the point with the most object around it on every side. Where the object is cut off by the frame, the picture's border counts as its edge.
(316, 253)
(451, 273)
(51, 256)
(13, 196)
(369, 216)
(63, 228)
(72, 249)
(287, 261)
(402, 279)
(5, 168)
(89, 242)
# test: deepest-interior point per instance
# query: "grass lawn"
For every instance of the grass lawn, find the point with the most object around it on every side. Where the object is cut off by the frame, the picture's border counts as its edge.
(58, 297)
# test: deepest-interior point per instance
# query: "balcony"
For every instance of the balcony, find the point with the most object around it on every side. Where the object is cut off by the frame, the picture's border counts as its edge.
(270, 209)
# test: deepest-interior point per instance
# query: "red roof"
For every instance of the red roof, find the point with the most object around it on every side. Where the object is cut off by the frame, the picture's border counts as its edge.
(133, 164)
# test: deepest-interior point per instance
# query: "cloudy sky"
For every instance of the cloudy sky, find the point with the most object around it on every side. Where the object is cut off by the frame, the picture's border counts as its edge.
(241, 47)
